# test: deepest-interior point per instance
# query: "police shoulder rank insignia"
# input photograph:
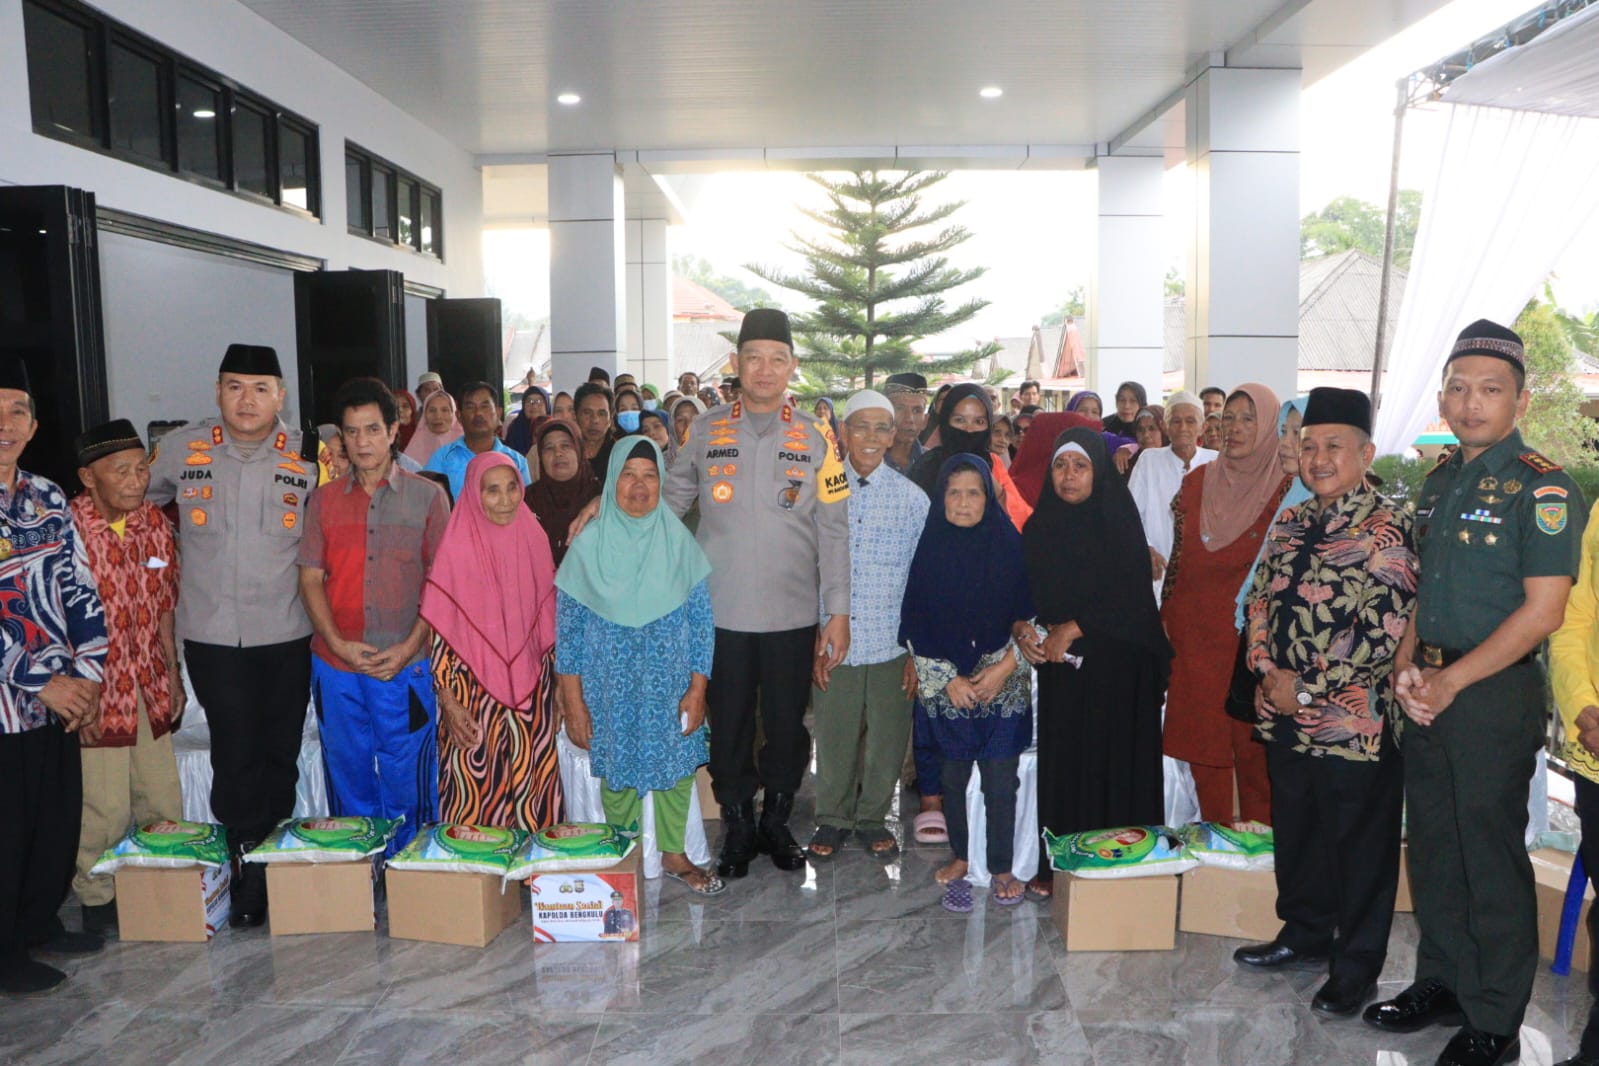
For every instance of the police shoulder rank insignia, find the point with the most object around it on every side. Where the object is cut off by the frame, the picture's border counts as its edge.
(1551, 517)
(1540, 463)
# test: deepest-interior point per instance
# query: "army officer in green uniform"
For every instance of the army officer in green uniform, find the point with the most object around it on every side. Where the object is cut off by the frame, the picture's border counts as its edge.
(240, 483)
(1499, 530)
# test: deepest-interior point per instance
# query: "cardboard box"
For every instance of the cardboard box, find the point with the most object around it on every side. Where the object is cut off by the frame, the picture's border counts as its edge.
(321, 897)
(582, 905)
(1123, 914)
(1551, 871)
(710, 810)
(1218, 901)
(450, 908)
(172, 903)
(1402, 901)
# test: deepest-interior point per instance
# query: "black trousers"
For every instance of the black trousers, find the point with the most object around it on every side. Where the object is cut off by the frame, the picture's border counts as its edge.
(41, 811)
(255, 701)
(1588, 812)
(1466, 804)
(1336, 827)
(770, 672)
(999, 783)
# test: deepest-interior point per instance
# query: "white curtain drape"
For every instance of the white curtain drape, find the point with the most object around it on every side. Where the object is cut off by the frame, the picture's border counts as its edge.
(1511, 192)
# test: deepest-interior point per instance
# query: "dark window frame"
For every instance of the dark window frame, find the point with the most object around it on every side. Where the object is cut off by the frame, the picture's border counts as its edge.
(394, 175)
(104, 33)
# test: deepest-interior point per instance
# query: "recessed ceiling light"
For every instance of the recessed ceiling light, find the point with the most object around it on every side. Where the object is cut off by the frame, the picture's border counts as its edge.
(991, 92)
(569, 99)
(205, 112)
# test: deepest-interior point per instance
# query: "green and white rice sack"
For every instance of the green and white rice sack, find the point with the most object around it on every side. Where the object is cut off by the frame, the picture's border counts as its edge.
(1238, 846)
(1125, 851)
(470, 849)
(573, 846)
(341, 839)
(168, 843)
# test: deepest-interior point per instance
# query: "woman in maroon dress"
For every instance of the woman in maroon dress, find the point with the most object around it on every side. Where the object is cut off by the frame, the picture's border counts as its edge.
(1221, 513)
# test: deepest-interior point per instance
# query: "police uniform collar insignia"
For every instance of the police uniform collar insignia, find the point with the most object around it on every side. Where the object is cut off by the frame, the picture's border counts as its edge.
(738, 409)
(788, 413)
(216, 434)
(280, 442)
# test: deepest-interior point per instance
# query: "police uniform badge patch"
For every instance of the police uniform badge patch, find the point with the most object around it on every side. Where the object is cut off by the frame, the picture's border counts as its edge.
(722, 491)
(198, 516)
(1551, 517)
(198, 459)
(788, 497)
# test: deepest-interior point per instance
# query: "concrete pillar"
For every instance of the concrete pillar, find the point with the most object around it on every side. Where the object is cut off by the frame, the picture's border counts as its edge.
(1126, 319)
(649, 303)
(1243, 277)
(587, 277)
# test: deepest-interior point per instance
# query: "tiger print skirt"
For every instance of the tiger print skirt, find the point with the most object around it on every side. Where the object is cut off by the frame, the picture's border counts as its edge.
(512, 778)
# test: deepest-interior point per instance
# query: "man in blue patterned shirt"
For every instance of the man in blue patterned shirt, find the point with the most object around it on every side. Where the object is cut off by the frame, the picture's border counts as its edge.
(862, 707)
(52, 652)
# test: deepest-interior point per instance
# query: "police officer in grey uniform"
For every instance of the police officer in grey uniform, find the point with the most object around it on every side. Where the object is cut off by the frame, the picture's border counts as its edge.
(772, 495)
(1499, 531)
(240, 484)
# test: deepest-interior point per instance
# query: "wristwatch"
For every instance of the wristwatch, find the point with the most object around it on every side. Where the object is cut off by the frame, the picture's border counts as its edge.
(1305, 698)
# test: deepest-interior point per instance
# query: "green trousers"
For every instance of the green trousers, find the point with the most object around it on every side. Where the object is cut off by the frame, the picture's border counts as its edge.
(1466, 780)
(862, 725)
(625, 807)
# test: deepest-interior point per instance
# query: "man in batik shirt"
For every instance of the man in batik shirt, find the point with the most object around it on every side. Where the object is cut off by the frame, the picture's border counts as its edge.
(1326, 611)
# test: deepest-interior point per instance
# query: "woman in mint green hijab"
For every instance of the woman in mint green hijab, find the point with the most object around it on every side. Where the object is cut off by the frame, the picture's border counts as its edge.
(633, 644)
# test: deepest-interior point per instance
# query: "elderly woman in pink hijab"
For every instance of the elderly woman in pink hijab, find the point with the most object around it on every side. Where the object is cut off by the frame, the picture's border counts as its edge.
(490, 598)
(439, 426)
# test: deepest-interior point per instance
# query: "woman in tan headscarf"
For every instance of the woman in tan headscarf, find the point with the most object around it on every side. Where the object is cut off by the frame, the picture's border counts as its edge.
(1221, 514)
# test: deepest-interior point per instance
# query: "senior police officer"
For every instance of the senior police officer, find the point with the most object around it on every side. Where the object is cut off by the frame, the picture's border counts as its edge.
(773, 519)
(240, 483)
(1499, 530)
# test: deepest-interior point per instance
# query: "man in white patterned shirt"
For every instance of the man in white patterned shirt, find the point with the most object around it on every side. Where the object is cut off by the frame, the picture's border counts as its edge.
(862, 707)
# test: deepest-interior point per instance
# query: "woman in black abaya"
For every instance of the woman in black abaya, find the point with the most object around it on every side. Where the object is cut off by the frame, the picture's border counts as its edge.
(1099, 742)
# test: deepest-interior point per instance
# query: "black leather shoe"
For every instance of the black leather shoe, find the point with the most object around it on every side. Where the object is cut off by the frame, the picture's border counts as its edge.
(1473, 1047)
(773, 837)
(738, 839)
(248, 897)
(1422, 1004)
(1272, 955)
(99, 917)
(1343, 995)
(29, 978)
(67, 942)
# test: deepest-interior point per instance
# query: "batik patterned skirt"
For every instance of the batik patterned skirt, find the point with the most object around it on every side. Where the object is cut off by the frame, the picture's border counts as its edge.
(511, 779)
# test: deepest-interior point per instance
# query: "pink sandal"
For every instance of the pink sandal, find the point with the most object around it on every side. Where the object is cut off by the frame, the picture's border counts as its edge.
(929, 827)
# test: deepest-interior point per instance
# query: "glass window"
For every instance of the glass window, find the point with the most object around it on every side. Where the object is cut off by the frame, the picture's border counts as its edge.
(294, 166)
(250, 136)
(199, 145)
(60, 73)
(430, 223)
(406, 209)
(357, 204)
(135, 99)
(382, 203)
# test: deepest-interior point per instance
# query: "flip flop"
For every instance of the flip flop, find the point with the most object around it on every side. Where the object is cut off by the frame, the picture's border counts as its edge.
(929, 827)
(831, 837)
(1037, 894)
(1005, 901)
(958, 896)
(713, 886)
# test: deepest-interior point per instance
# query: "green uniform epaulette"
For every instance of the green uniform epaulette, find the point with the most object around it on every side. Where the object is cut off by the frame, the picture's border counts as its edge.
(1539, 462)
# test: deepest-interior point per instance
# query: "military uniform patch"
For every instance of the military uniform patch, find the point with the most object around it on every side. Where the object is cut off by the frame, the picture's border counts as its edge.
(198, 516)
(1551, 518)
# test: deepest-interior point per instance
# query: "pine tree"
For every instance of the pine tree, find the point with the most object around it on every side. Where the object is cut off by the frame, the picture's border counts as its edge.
(863, 274)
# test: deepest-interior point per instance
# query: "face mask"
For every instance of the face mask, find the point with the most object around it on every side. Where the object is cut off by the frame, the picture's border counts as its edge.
(628, 420)
(649, 404)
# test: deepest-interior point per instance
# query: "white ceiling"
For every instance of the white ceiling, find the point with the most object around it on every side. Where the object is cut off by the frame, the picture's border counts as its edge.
(682, 81)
